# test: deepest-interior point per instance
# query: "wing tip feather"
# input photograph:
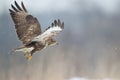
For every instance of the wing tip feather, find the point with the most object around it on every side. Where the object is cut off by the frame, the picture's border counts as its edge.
(11, 11)
(62, 26)
(23, 6)
(56, 23)
(18, 6)
(14, 8)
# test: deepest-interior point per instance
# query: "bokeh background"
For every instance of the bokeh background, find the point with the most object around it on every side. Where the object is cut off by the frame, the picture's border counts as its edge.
(89, 46)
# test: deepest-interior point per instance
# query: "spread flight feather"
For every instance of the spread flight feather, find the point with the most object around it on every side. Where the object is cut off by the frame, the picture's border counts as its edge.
(29, 31)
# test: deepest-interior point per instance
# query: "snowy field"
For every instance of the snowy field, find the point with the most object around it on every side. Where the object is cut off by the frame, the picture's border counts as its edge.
(78, 78)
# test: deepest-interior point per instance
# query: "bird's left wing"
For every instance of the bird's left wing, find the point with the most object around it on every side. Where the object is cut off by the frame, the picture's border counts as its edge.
(27, 26)
(56, 27)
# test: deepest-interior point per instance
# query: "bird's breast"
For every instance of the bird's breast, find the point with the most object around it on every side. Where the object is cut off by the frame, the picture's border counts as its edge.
(39, 45)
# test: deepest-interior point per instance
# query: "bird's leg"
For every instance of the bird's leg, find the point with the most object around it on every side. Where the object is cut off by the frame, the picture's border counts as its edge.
(28, 55)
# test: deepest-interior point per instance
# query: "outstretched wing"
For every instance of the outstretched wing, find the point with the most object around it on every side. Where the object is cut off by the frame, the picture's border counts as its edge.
(56, 27)
(27, 26)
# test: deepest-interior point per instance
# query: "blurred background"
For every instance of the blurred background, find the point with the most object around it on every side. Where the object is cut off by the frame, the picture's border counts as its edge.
(89, 46)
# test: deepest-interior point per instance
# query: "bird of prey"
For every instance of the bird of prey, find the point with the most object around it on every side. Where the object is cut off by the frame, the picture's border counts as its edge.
(29, 31)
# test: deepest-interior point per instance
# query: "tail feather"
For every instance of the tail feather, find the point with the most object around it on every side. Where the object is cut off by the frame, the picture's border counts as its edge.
(22, 49)
(26, 50)
(16, 50)
(12, 51)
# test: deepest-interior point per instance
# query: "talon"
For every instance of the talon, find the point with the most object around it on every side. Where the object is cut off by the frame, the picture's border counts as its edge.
(28, 56)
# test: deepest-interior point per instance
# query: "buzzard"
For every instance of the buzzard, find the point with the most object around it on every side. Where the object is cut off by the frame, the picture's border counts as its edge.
(29, 31)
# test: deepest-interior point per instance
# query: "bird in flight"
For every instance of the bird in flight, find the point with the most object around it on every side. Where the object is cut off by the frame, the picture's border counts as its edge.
(29, 31)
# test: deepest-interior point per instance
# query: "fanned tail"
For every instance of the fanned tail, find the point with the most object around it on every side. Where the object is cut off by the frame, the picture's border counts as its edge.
(12, 51)
(16, 50)
(25, 50)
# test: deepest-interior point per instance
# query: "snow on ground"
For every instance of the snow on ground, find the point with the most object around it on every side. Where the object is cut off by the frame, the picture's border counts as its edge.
(81, 78)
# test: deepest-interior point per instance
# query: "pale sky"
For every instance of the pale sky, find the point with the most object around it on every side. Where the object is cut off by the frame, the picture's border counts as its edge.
(61, 5)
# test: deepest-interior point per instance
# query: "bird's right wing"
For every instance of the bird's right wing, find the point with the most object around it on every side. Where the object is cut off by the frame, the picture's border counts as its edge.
(27, 26)
(56, 27)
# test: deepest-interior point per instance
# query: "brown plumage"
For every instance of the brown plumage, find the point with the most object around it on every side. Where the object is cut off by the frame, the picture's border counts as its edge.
(29, 31)
(26, 25)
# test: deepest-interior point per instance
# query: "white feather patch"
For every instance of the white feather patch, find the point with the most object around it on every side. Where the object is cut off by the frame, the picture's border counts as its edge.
(25, 49)
(52, 31)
